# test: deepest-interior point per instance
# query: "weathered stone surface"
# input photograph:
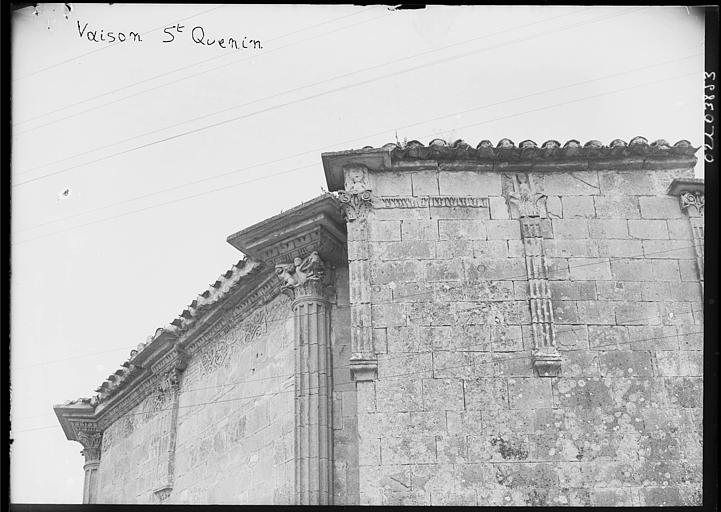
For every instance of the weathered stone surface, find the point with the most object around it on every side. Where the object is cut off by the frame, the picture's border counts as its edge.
(611, 207)
(499, 208)
(425, 183)
(526, 394)
(419, 229)
(648, 229)
(468, 183)
(578, 206)
(455, 413)
(608, 228)
(456, 229)
(660, 208)
(570, 228)
(385, 230)
(482, 394)
(391, 184)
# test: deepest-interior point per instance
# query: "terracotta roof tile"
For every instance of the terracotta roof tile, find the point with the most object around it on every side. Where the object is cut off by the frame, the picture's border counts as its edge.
(203, 303)
(439, 149)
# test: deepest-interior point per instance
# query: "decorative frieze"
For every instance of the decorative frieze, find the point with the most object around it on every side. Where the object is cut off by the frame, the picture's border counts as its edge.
(529, 206)
(217, 352)
(431, 201)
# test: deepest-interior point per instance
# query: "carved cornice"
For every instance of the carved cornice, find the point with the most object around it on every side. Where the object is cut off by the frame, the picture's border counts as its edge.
(681, 185)
(316, 226)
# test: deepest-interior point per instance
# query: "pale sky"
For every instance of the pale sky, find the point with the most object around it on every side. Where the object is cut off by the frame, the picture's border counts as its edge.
(141, 229)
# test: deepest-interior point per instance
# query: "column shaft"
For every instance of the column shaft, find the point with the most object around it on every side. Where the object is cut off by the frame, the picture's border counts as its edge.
(90, 486)
(313, 384)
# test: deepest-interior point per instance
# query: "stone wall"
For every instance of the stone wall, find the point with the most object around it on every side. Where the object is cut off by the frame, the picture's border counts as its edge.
(345, 421)
(132, 453)
(457, 414)
(234, 427)
(235, 423)
(238, 446)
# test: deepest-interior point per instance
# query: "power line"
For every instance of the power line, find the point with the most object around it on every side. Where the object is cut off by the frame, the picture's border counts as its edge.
(337, 143)
(194, 75)
(419, 294)
(310, 85)
(109, 45)
(655, 82)
(295, 169)
(317, 95)
(272, 96)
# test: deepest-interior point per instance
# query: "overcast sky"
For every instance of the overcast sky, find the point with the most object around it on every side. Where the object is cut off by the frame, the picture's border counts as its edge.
(115, 229)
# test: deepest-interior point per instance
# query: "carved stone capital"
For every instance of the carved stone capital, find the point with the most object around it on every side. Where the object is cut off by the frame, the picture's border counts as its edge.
(522, 197)
(92, 441)
(355, 205)
(305, 277)
(693, 203)
(691, 194)
(356, 199)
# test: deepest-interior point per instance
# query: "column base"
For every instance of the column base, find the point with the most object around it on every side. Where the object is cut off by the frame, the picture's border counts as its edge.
(163, 492)
(547, 364)
(363, 368)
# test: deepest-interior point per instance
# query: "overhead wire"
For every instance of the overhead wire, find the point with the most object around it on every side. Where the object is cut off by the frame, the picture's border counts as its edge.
(184, 198)
(313, 96)
(203, 73)
(222, 56)
(364, 137)
(287, 92)
(102, 48)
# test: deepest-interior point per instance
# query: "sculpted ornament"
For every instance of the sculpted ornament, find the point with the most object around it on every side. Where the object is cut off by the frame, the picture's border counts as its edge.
(696, 201)
(524, 197)
(91, 442)
(301, 271)
(356, 198)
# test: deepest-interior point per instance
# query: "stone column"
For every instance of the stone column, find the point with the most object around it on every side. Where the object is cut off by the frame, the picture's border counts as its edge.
(91, 439)
(529, 206)
(356, 203)
(304, 279)
(692, 199)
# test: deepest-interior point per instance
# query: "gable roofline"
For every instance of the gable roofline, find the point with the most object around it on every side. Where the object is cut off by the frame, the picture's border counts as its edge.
(245, 280)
